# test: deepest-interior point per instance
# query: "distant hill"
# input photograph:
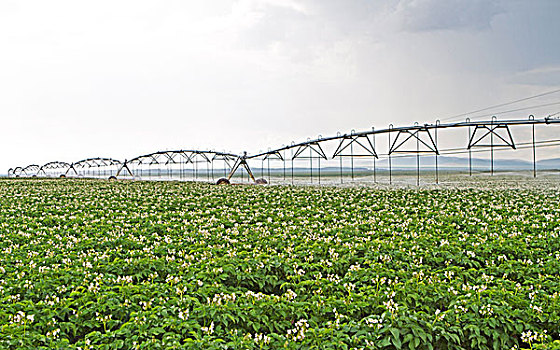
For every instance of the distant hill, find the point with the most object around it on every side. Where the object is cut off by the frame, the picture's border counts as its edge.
(460, 162)
(553, 163)
(397, 163)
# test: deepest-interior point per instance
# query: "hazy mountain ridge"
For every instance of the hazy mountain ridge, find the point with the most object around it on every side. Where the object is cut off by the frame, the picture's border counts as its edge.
(459, 162)
(426, 163)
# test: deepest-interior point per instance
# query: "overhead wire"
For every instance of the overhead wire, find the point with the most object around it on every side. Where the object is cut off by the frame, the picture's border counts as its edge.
(517, 110)
(461, 115)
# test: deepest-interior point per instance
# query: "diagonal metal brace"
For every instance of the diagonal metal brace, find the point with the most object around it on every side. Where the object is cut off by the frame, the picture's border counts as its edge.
(314, 146)
(273, 155)
(225, 158)
(241, 161)
(491, 131)
(71, 168)
(170, 158)
(414, 134)
(355, 139)
(124, 166)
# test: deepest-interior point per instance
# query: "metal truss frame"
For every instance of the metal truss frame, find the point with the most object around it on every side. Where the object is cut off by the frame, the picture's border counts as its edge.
(347, 141)
(414, 134)
(425, 136)
(490, 132)
(53, 166)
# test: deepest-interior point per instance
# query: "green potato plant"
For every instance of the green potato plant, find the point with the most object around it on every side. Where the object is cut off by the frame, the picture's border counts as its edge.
(166, 265)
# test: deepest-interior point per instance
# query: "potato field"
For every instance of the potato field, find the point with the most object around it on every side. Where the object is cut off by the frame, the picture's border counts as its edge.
(90, 264)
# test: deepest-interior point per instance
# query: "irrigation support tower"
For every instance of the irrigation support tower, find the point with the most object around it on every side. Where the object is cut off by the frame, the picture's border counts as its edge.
(415, 140)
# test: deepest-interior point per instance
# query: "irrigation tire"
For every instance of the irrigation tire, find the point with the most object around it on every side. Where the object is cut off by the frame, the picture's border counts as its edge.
(223, 181)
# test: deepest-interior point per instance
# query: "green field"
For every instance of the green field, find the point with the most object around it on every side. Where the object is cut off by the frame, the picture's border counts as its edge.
(88, 264)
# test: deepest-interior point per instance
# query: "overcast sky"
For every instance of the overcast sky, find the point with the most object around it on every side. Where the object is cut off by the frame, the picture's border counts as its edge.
(113, 78)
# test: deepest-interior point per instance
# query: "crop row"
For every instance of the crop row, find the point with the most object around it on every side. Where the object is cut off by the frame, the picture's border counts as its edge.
(147, 265)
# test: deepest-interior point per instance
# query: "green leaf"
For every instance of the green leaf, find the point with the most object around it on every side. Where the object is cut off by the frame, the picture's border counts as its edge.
(396, 342)
(395, 332)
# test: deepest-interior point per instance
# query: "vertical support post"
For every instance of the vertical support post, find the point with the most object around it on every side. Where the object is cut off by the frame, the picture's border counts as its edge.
(268, 166)
(437, 151)
(340, 158)
(340, 161)
(292, 152)
(311, 164)
(532, 117)
(352, 156)
(196, 167)
(212, 169)
(319, 169)
(352, 160)
(492, 146)
(319, 162)
(417, 164)
(284, 164)
(374, 159)
(193, 171)
(468, 120)
(292, 170)
(390, 168)
(417, 156)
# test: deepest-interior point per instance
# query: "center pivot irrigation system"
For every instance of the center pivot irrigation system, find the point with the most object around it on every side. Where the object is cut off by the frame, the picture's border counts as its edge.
(417, 141)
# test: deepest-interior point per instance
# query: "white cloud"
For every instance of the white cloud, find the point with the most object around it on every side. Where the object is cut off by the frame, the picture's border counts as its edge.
(122, 78)
(430, 15)
(544, 76)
